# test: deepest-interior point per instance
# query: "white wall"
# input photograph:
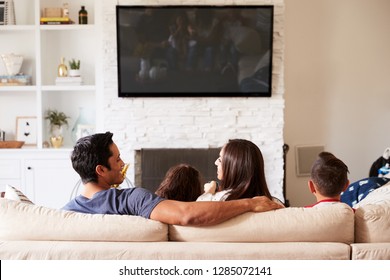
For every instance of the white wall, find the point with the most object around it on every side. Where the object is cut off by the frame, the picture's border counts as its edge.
(337, 73)
(196, 122)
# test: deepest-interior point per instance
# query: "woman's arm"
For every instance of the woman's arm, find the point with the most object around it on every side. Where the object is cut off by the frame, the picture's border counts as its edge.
(206, 213)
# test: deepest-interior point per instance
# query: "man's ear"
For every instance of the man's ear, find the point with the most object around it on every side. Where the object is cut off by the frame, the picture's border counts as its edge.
(312, 188)
(100, 169)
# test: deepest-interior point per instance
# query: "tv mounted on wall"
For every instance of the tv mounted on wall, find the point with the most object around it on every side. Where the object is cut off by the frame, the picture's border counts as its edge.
(194, 51)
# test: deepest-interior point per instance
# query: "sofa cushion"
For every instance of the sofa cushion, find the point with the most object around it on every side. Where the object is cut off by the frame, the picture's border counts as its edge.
(83, 250)
(13, 193)
(372, 223)
(333, 223)
(22, 221)
(370, 251)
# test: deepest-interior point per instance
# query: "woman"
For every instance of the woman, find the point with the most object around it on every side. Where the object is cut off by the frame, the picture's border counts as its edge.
(182, 182)
(240, 170)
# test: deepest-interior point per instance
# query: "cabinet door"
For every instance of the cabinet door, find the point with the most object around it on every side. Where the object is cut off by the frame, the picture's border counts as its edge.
(10, 173)
(50, 182)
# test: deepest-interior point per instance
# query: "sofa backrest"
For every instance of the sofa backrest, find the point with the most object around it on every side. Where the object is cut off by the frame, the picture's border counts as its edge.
(331, 223)
(372, 217)
(23, 221)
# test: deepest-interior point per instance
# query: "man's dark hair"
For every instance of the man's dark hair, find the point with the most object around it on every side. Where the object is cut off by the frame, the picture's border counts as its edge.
(329, 174)
(89, 152)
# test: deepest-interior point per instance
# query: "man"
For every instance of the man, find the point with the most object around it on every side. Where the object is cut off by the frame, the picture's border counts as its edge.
(97, 160)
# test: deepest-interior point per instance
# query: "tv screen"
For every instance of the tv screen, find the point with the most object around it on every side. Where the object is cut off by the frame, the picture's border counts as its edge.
(194, 51)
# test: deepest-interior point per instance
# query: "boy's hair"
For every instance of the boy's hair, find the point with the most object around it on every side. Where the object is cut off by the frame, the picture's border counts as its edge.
(329, 174)
(89, 152)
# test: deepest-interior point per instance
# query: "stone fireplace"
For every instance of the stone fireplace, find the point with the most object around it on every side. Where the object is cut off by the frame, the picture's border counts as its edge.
(194, 123)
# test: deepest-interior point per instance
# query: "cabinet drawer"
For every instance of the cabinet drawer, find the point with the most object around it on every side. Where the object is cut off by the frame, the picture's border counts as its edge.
(10, 169)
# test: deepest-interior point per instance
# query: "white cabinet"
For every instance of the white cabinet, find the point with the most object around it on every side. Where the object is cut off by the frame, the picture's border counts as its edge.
(42, 47)
(47, 179)
(49, 182)
(10, 172)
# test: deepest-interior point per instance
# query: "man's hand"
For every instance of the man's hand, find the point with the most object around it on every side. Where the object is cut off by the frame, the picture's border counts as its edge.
(263, 203)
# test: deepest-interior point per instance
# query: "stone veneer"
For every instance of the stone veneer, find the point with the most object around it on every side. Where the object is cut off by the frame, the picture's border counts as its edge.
(196, 122)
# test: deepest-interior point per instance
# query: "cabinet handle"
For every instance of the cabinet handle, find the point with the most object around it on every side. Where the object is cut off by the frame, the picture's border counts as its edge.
(29, 168)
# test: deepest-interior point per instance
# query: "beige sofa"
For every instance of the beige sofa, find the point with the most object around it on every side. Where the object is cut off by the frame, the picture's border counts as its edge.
(335, 232)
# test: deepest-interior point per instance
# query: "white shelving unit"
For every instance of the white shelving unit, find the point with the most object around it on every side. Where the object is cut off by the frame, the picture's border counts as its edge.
(46, 174)
(42, 47)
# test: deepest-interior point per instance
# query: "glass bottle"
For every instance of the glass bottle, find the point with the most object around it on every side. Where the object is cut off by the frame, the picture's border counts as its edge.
(62, 69)
(83, 16)
(84, 124)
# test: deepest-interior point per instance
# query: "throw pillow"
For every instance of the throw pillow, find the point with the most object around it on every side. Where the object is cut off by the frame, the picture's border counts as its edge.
(13, 193)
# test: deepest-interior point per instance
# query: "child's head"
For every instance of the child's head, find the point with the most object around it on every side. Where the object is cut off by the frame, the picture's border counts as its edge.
(181, 182)
(329, 176)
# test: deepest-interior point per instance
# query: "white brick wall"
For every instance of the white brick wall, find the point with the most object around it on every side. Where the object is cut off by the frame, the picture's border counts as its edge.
(196, 122)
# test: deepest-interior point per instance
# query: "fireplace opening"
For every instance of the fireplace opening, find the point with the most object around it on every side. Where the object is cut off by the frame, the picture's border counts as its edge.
(151, 165)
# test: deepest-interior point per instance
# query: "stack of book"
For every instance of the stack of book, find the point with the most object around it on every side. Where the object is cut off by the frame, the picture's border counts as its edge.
(56, 20)
(69, 81)
(15, 80)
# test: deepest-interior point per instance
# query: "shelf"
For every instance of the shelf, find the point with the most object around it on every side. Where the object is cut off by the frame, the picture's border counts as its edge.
(69, 88)
(17, 27)
(18, 88)
(42, 47)
(67, 27)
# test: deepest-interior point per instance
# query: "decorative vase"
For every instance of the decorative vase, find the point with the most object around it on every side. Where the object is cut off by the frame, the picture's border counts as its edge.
(62, 69)
(56, 138)
(144, 69)
(84, 125)
(13, 63)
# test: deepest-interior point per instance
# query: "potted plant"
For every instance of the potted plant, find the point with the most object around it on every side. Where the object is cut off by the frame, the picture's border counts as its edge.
(57, 121)
(74, 68)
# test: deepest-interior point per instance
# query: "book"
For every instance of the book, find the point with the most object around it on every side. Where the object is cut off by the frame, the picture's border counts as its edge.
(16, 80)
(59, 19)
(56, 22)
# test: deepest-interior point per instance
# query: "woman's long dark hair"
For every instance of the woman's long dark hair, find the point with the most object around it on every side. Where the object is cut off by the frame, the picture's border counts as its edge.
(182, 182)
(243, 170)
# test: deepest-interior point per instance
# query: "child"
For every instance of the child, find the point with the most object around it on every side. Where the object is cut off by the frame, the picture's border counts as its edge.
(182, 182)
(329, 178)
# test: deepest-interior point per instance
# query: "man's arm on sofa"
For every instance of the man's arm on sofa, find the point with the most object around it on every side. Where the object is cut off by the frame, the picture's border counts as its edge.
(205, 213)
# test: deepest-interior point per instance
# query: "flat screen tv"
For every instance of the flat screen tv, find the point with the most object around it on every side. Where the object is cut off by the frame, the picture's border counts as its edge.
(194, 51)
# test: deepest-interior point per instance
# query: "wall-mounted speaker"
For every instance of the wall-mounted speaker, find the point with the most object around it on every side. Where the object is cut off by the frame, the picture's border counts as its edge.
(305, 157)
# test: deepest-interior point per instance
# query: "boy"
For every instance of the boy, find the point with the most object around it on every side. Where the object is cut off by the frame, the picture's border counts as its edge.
(329, 178)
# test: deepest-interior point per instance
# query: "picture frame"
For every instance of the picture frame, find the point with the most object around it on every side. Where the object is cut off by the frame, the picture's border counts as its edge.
(194, 51)
(26, 130)
(84, 130)
(305, 157)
